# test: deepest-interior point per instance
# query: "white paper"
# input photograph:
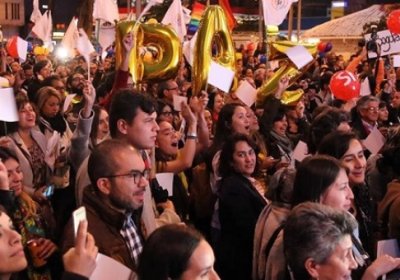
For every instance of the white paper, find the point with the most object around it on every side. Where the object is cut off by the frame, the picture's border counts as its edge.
(22, 47)
(389, 42)
(52, 149)
(166, 181)
(67, 101)
(375, 141)
(301, 151)
(396, 60)
(8, 105)
(220, 76)
(365, 88)
(148, 216)
(388, 247)
(177, 100)
(299, 56)
(247, 93)
(108, 268)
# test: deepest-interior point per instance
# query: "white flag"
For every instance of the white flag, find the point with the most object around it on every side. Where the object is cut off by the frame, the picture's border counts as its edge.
(22, 47)
(175, 17)
(188, 49)
(70, 37)
(36, 14)
(84, 46)
(43, 28)
(49, 29)
(106, 10)
(106, 35)
(275, 11)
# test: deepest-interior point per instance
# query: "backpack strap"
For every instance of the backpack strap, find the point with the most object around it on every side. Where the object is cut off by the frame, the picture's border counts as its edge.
(271, 241)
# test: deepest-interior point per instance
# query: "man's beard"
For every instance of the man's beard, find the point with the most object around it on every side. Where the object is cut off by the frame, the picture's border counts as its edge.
(78, 91)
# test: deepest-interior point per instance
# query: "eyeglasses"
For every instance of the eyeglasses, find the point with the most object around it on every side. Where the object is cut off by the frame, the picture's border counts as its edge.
(78, 79)
(175, 88)
(167, 114)
(135, 174)
(372, 109)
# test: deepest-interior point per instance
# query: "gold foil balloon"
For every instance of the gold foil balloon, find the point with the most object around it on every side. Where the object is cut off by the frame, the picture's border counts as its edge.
(291, 97)
(155, 54)
(289, 70)
(213, 32)
(166, 50)
(277, 49)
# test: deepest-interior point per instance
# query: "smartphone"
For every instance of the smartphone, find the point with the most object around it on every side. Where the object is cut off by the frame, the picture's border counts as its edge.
(48, 191)
(78, 215)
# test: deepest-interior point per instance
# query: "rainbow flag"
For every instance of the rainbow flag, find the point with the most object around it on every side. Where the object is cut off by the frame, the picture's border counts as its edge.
(197, 13)
(228, 12)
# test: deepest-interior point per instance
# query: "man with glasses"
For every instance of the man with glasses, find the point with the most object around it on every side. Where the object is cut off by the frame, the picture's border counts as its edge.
(114, 200)
(167, 90)
(366, 116)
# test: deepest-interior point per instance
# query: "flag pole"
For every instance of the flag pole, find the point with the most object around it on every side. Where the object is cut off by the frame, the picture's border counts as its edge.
(290, 23)
(298, 20)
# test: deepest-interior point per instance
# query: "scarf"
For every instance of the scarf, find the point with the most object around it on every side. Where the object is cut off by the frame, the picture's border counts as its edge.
(282, 141)
(56, 123)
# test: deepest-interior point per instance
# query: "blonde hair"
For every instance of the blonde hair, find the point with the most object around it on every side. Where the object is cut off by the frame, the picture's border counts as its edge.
(45, 93)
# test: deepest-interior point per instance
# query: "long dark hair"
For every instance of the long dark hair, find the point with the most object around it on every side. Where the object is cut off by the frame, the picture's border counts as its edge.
(228, 149)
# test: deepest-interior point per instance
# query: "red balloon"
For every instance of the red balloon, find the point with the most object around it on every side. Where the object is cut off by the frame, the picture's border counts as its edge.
(321, 46)
(12, 46)
(328, 47)
(344, 85)
(393, 21)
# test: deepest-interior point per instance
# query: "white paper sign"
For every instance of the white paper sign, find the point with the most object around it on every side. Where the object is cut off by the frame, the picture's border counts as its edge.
(67, 101)
(365, 88)
(389, 42)
(396, 60)
(8, 105)
(247, 93)
(177, 100)
(301, 151)
(375, 141)
(166, 181)
(22, 47)
(220, 76)
(299, 56)
(108, 268)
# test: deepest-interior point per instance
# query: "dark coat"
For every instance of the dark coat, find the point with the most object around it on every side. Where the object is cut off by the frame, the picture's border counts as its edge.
(239, 207)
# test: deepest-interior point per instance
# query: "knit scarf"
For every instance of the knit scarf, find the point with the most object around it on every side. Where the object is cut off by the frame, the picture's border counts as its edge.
(283, 142)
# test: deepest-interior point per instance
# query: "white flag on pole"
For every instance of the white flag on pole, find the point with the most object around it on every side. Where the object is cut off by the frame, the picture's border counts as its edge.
(106, 35)
(106, 10)
(70, 37)
(36, 14)
(43, 28)
(275, 11)
(84, 46)
(175, 17)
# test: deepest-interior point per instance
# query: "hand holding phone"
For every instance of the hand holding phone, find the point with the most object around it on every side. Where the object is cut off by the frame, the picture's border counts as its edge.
(48, 191)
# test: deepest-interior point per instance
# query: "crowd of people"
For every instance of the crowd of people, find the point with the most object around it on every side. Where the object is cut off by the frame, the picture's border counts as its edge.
(239, 197)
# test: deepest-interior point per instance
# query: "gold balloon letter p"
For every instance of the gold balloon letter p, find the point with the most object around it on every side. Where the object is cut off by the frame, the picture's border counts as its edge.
(213, 31)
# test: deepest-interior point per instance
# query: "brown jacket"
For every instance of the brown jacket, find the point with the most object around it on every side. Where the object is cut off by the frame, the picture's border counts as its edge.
(104, 223)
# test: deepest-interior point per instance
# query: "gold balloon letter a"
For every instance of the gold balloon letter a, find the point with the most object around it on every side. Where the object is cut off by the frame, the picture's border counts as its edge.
(213, 31)
(156, 53)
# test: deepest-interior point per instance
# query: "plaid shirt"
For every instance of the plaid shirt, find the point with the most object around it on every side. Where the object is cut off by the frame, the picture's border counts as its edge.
(132, 237)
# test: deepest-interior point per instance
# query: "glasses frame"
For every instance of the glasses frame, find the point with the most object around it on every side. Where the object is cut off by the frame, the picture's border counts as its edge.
(135, 174)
